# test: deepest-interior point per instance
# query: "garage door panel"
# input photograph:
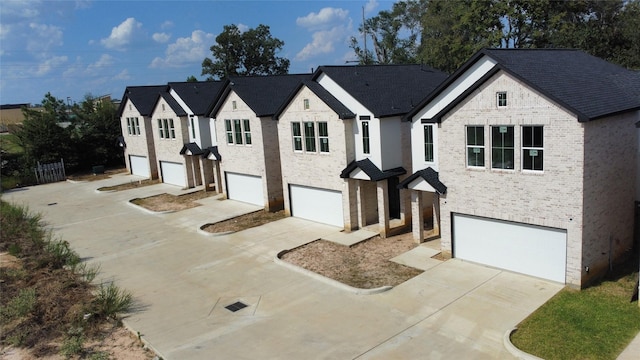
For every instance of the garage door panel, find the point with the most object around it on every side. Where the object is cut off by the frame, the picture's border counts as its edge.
(528, 249)
(173, 173)
(320, 205)
(245, 188)
(139, 165)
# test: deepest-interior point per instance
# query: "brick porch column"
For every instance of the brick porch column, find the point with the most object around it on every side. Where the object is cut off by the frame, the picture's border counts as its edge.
(417, 225)
(383, 207)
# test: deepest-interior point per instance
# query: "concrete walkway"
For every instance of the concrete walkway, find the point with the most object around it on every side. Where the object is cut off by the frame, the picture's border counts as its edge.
(183, 280)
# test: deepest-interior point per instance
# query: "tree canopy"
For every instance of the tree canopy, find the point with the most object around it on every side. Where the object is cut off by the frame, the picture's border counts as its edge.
(252, 52)
(444, 34)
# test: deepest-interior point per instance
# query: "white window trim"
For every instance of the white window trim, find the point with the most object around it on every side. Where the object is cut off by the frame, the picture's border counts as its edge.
(506, 100)
(434, 144)
(316, 137)
(515, 148)
(242, 133)
(524, 148)
(467, 147)
(294, 136)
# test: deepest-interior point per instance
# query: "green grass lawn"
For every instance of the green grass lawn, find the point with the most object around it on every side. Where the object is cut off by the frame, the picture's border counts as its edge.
(595, 323)
(9, 143)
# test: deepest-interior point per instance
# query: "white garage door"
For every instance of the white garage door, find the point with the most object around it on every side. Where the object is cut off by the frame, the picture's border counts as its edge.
(173, 173)
(245, 188)
(139, 165)
(528, 249)
(321, 205)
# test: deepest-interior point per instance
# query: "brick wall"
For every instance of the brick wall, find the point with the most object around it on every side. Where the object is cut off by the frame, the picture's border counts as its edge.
(552, 198)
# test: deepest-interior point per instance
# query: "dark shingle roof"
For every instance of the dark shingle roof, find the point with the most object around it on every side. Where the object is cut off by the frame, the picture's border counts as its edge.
(340, 109)
(371, 170)
(212, 150)
(386, 90)
(263, 94)
(193, 148)
(585, 85)
(173, 104)
(143, 97)
(198, 95)
(429, 175)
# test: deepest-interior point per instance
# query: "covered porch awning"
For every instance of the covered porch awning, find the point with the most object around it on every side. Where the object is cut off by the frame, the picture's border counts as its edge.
(424, 180)
(191, 149)
(212, 153)
(366, 170)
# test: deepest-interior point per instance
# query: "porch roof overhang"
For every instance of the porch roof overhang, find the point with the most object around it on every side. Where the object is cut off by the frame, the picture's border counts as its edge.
(424, 180)
(212, 153)
(191, 149)
(366, 170)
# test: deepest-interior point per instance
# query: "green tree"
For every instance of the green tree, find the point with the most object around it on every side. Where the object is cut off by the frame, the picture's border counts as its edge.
(394, 34)
(42, 136)
(192, 78)
(252, 52)
(455, 30)
(95, 128)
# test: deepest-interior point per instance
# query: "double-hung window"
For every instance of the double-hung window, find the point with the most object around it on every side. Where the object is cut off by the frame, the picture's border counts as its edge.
(296, 132)
(309, 137)
(166, 128)
(237, 131)
(323, 136)
(502, 147)
(428, 143)
(366, 141)
(247, 131)
(532, 148)
(475, 146)
(228, 131)
(133, 126)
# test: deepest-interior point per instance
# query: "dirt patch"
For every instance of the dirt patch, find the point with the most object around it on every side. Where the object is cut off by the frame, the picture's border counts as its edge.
(130, 185)
(244, 222)
(364, 265)
(89, 176)
(168, 202)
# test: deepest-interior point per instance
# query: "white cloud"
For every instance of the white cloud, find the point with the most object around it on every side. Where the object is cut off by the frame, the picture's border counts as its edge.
(371, 6)
(166, 25)
(48, 65)
(324, 42)
(123, 75)
(243, 27)
(123, 34)
(161, 37)
(186, 51)
(105, 60)
(325, 18)
(42, 37)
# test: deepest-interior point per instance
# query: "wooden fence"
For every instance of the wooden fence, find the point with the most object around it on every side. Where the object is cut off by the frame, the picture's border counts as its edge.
(48, 173)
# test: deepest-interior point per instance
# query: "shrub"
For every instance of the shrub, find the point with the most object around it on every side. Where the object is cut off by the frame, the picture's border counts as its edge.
(111, 300)
(19, 306)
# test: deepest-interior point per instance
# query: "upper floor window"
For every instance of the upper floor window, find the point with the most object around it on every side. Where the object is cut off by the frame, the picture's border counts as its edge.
(166, 128)
(532, 148)
(228, 131)
(237, 131)
(247, 131)
(366, 141)
(193, 128)
(502, 147)
(323, 136)
(234, 105)
(306, 104)
(309, 137)
(296, 132)
(133, 126)
(475, 146)
(428, 143)
(501, 99)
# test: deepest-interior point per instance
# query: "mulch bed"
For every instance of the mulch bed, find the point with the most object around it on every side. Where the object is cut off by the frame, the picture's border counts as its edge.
(244, 222)
(364, 265)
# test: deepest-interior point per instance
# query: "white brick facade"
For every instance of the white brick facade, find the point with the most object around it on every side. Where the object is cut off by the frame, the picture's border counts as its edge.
(261, 158)
(138, 145)
(582, 188)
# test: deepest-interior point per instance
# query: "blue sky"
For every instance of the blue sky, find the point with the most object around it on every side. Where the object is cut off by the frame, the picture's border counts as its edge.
(72, 48)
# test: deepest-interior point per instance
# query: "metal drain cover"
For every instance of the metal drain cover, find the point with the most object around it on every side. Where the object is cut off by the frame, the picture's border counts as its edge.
(236, 306)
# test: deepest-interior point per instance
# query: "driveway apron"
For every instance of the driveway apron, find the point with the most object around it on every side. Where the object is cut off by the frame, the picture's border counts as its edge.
(183, 280)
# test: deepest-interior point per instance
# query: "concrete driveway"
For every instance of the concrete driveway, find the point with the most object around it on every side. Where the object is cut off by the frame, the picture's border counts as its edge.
(183, 280)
